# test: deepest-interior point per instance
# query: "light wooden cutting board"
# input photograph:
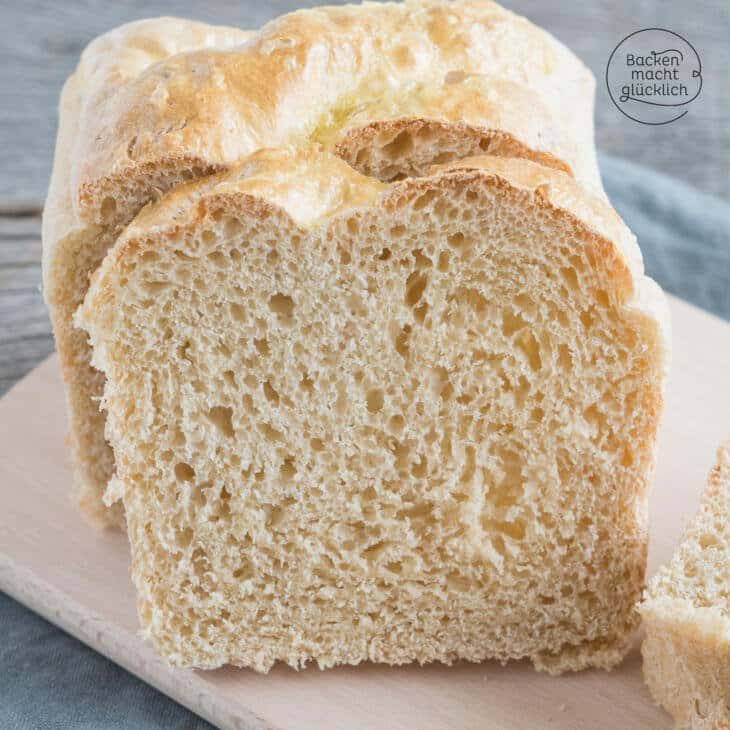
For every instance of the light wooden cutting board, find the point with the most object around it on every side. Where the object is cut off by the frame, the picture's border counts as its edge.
(54, 563)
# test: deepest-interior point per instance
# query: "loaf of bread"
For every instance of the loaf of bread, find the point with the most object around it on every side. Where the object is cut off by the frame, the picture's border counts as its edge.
(406, 421)
(687, 616)
(389, 88)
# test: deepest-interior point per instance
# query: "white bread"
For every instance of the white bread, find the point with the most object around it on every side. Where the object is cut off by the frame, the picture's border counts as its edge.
(390, 422)
(686, 612)
(390, 88)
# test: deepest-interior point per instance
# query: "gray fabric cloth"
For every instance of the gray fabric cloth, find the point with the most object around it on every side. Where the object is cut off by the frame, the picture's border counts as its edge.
(50, 680)
(684, 234)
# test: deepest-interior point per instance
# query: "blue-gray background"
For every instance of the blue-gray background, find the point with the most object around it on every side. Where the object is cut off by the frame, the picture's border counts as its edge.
(48, 679)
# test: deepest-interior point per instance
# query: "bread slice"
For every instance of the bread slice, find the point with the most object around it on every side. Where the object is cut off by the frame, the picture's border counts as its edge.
(390, 422)
(686, 611)
(391, 88)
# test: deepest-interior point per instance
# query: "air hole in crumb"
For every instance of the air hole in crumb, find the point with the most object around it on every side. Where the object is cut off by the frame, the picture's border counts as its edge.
(222, 419)
(385, 254)
(251, 381)
(396, 424)
(457, 241)
(399, 147)
(372, 552)
(232, 227)
(440, 158)
(570, 277)
(218, 259)
(155, 287)
(317, 444)
(270, 392)
(375, 400)
(419, 469)
(565, 359)
(401, 341)
(536, 415)
(419, 313)
(456, 582)
(270, 433)
(197, 497)
(512, 322)
(237, 312)
(244, 573)
(423, 200)
(422, 261)
(438, 378)
(345, 257)
(262, 346)
(415, 286)
(529, 345)
(184, 472)
(699, 711)
(282, 305)
(287, 471)
(443, 261)
(184, 537)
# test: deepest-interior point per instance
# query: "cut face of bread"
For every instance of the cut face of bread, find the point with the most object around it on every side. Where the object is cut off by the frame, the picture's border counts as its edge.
(391, 88)
(355, 421)
(687, 616)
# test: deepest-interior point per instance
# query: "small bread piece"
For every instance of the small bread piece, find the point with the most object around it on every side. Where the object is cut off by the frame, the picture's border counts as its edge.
(686, 611)
(392, 88)
(390, 422)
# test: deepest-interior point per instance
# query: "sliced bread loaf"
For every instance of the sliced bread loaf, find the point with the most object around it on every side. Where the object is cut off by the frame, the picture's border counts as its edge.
(391, 422)
(391, 88)
(686, 611)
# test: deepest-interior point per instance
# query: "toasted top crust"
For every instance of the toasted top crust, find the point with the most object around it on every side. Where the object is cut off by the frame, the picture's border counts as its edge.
(301, 77)
(273, 179)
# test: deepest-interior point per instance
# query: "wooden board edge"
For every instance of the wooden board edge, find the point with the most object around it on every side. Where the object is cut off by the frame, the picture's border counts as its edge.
(123, 648)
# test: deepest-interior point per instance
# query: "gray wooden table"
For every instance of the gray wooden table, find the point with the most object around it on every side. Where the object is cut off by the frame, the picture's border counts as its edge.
(41, 42)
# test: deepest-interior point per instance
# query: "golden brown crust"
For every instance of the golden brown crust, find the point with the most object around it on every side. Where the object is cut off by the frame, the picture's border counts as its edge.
(316, 68)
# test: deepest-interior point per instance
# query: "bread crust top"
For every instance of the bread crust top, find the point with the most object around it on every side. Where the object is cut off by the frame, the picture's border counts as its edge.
(169, 93)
